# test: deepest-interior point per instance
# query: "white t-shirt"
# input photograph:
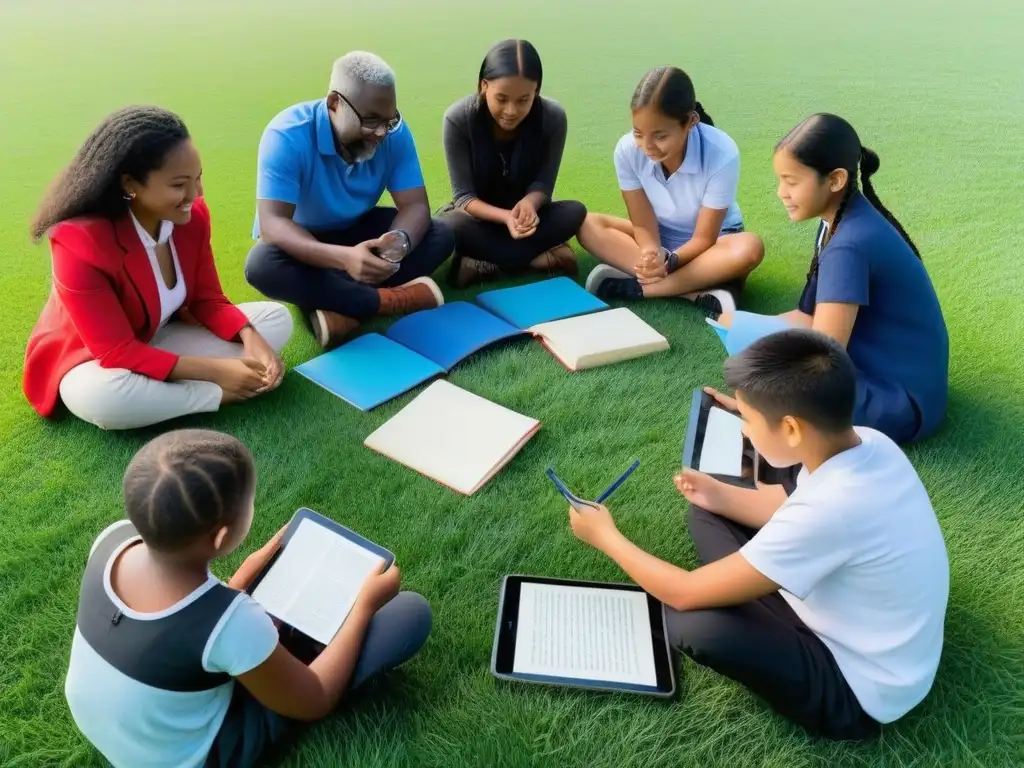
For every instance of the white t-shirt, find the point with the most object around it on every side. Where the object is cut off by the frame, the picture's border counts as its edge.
(134, 724)
(171, 299)
(860, 557)
(708, 178)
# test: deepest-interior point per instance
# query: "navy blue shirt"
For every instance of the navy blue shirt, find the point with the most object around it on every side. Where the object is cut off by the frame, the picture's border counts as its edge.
(899, 337)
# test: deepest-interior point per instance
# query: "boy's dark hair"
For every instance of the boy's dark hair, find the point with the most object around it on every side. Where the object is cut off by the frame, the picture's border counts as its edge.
(799, 373)
(187, 483)
(670, 91)
(825, 143)
(135, 141)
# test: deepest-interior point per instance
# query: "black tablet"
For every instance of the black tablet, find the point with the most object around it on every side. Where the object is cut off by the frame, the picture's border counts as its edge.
(312, 581)
(715, 443)
(582, 634)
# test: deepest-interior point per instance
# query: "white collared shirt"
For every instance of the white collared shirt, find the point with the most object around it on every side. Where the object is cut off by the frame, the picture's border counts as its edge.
(859, 555)
(708, 178)
(171, 299)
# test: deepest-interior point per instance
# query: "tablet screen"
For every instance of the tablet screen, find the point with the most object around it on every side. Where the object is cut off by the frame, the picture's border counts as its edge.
(315, 579)
(584, 633)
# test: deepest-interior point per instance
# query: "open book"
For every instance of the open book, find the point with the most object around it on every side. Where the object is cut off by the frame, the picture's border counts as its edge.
(312, 582)
(453, 436)
(599, 339)
(375, 368)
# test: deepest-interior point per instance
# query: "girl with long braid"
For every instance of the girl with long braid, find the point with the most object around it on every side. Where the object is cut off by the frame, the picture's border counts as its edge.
(137, 329)
(867, 287)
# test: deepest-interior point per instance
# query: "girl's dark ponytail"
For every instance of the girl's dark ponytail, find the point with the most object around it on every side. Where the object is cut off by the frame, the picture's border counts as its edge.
(869, 163)
(825, 143)
(704, 116)
(670, 90)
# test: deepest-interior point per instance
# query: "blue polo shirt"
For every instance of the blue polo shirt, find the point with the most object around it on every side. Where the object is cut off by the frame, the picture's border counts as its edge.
(299, 164)
(899, 337)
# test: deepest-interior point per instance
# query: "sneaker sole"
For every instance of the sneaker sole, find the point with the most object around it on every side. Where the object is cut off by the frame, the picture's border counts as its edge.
(319, 324)
(726, 299)
(601, 273)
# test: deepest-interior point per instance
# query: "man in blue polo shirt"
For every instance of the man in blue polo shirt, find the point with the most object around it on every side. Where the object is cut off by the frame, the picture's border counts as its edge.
(324, 244)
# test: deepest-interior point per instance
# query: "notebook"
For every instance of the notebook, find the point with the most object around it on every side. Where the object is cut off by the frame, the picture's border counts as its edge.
(375, 368)
(597, 339)
(453, 437)
(313, 580)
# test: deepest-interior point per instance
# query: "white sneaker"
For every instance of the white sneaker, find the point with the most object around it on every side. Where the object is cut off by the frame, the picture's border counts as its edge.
(715, 302)
(601, 273)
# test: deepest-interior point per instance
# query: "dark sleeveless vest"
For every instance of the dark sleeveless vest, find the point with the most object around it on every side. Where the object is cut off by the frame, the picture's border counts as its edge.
(165, 653)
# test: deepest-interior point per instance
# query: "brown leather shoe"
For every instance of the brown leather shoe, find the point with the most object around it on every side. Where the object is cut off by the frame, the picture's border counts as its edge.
(330, 328)
(472, 271)
(421, 293)
(560, 260)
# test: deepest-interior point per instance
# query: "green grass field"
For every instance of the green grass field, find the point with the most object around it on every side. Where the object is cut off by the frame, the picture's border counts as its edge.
(935, 91)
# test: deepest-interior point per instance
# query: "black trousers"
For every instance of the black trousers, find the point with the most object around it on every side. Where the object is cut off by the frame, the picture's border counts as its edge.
(764, 646)
(489, 241)
(278, 276)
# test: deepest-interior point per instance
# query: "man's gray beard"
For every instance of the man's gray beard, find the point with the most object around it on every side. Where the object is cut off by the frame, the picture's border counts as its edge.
(363, 152)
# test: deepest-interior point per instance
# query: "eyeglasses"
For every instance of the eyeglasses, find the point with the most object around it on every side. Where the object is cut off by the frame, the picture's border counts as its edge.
(373, 124)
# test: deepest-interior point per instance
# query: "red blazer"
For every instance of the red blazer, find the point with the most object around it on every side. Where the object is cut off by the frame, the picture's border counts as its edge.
(104, 304)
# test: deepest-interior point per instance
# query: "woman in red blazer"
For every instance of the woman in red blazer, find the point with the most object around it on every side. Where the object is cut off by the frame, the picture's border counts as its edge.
(137, 329)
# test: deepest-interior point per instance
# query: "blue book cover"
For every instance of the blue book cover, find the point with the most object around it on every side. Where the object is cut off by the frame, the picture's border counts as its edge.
(369, 370)
(747, 327)
(450, 333)
(527, 305)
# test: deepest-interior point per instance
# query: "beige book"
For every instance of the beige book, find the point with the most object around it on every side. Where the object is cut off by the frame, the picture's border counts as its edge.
(453, 436)
(601, 338)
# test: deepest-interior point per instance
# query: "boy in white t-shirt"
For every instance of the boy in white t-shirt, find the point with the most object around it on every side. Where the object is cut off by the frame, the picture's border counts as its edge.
(830, 603)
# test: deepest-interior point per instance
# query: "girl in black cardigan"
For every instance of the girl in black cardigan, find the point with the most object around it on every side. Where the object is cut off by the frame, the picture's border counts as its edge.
(504, 146)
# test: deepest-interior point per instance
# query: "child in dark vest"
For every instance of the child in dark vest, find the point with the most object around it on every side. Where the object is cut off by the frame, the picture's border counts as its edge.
(172, 667)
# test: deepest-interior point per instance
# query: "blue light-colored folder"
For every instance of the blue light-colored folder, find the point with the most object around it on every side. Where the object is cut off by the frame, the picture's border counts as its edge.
(746, 328)
(369, 370)
(527, 305)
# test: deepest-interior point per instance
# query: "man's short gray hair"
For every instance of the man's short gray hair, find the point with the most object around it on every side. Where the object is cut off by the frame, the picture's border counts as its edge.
(361, 67)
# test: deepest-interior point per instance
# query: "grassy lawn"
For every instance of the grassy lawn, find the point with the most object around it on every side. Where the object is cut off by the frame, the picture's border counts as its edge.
(936, 92)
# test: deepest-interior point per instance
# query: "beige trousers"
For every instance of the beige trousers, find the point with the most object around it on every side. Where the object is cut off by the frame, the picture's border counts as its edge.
(114, 398)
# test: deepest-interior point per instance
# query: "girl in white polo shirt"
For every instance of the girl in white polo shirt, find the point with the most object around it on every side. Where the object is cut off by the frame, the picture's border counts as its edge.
(678, 175)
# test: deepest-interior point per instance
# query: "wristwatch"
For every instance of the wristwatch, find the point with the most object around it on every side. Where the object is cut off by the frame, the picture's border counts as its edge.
(406, 241)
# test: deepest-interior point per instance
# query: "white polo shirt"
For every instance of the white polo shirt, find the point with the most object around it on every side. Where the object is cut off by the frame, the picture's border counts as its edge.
(860, 558)
(708, 178)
